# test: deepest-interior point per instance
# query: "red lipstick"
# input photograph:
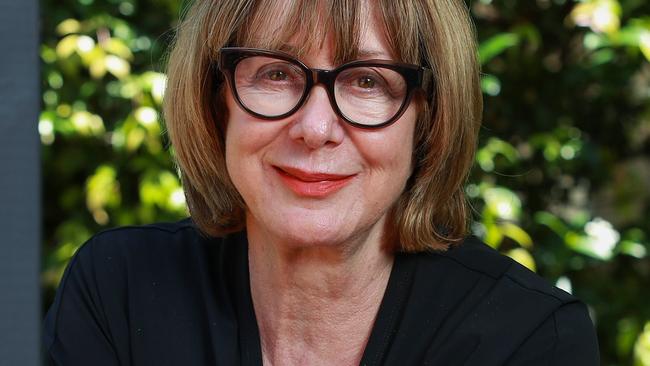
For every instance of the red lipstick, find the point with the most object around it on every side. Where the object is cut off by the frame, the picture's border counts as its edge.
(309, 184)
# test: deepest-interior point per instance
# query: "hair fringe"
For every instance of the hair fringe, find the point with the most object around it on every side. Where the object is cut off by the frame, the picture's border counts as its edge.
(432, 213)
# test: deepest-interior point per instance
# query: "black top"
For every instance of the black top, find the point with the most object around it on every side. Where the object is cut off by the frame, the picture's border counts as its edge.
(166, 295)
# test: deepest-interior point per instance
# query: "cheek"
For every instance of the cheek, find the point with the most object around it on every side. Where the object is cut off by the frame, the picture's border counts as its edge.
(391, 148)
(249, 130)
(248, 142)
(244, 135)
(239, 149)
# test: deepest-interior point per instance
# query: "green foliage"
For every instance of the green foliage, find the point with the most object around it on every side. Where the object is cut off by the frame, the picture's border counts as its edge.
(562, 171)
(103, 143)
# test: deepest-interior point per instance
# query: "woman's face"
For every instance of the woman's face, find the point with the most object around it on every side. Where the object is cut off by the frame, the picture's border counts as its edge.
(312, 179)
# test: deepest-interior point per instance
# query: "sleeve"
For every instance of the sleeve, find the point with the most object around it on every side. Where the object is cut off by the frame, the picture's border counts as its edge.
(76, 329)
(566, 338)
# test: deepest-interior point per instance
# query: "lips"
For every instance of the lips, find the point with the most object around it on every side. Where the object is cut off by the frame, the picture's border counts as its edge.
(312, 184)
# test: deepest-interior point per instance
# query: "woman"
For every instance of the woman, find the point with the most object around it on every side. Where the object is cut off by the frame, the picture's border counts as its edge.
(323, 147)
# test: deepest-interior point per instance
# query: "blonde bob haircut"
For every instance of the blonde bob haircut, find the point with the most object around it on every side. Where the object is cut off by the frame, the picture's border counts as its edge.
(432, 212)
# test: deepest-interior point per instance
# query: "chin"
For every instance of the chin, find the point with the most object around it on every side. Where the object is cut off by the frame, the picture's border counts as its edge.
(313, 235)
(303, 231)
(324, 223)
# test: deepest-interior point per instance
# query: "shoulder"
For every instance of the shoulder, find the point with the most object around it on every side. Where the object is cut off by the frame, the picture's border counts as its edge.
(472, 257)
(144, 242)
(146, 234)
(506, 311)
(127, 279)
(112, 258)
(127, 258)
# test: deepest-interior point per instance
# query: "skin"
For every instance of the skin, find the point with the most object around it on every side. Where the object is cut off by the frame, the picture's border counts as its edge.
(319, 265)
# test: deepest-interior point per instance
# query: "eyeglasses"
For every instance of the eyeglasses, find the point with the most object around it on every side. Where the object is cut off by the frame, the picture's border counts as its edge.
(368, 93)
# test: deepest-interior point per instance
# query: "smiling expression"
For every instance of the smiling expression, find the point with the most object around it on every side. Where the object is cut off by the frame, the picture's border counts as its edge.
(311, 178)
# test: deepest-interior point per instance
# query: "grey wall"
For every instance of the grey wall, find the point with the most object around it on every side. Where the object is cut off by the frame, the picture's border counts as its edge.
(20, 217)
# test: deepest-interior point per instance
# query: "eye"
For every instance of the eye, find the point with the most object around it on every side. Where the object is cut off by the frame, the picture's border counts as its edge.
(277, 75)
(366, 82)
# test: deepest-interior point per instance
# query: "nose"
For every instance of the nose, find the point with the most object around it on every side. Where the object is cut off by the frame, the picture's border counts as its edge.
(316, 124)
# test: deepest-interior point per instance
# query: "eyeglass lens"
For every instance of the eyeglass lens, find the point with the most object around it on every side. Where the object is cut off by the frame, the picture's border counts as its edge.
(365, 95)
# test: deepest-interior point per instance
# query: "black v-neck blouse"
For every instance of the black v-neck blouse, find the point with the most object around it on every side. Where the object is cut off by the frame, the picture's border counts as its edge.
(166, 295)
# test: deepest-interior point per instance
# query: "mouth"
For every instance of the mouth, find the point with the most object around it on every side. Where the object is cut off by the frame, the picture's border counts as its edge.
(312, 184)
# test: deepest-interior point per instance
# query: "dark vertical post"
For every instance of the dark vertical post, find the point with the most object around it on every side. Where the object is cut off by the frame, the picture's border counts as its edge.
(20, 216)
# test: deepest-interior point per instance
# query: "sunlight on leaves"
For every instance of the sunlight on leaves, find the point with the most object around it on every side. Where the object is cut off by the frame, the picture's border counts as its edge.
(68, 26)
(599, 242)
(503, 203)
(46, 130)
(155, 83)
(524, 258)
(517, 234)
(147, 116)
(599, 15)
(117, 66)
(602, 236)
(134, 138)
(118, 48)
(495, 147)
(85, 44)
(102, 191)
(67, 46)
(87, 123)
(162, 189)
(633, 243)
(490, 85)
(644, 44)
(642, 347)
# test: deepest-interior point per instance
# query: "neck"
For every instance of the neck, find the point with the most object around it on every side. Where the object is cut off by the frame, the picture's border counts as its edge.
(316, 305)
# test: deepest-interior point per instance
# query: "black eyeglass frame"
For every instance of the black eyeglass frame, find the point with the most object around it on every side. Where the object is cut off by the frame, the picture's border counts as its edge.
(416, 77)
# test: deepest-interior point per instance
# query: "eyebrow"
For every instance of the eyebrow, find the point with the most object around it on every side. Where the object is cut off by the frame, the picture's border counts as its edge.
(362, 53)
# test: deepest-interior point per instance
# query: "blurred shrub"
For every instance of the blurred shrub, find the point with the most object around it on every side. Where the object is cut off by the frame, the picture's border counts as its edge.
(562, 180)
(103, 142)
(562, 176)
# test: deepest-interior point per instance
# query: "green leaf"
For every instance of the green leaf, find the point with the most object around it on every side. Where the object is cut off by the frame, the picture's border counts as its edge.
(524, 258)
(496, 45)
(517, 234)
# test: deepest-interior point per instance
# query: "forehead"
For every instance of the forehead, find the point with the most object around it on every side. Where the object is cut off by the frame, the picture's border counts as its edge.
(346, 30)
